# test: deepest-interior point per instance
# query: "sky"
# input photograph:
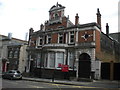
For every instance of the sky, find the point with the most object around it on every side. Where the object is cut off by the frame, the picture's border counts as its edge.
(18, 16)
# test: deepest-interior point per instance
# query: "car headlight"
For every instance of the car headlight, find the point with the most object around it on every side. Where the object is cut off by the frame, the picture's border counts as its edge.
(13, 75)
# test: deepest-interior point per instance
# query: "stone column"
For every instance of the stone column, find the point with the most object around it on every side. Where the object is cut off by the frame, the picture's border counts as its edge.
(77, 63)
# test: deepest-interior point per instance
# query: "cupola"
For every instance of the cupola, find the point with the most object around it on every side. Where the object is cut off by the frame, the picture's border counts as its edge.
(56, 13)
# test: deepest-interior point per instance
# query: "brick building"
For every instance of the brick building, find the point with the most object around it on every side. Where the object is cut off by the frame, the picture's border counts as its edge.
(83, 47)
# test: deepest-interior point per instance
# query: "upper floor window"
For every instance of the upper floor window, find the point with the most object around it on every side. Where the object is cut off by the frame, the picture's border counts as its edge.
(49, 39)
(10, 54)
(40, 41)
(56, 16)
(71, 37)
(60, 38)
(16, 54)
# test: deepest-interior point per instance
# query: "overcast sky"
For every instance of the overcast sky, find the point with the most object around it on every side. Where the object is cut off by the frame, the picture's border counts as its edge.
(17, 16)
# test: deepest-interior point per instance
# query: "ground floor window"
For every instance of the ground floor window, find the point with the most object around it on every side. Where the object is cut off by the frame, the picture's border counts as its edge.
(38, 60)
(53, 59)
(71, 61)
(59, 59)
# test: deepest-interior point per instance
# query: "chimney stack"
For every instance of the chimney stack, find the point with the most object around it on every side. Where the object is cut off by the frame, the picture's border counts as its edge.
(98, 17)
(41, 27)
(9, 35)
(107, 29)
(76, 19)
(31, 31)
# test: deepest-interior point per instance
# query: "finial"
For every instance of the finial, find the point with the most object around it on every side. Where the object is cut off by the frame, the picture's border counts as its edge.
(68, 16)
(57, 4)
(106, 24)
(98, 10)
(76, 14)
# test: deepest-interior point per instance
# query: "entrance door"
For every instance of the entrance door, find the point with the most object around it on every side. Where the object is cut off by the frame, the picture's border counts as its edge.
(84, 66)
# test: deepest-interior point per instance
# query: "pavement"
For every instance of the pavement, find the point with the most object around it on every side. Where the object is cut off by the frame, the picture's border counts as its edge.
(78, 83)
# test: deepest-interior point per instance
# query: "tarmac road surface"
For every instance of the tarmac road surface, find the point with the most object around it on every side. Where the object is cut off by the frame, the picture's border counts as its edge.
(31, 85)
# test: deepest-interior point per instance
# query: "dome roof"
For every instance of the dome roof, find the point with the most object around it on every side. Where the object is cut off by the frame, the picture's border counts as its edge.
(56, 7)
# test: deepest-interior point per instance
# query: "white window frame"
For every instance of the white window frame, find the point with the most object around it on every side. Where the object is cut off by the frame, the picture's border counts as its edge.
(58, 58)
(51, 60)
(40, 42)
(49, 37)
(59, 36)
(38, 60)
(46, 60)
(71, 57)
(72, 33)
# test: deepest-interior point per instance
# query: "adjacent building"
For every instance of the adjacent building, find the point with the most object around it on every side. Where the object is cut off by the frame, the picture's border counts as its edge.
(84, 48)
(13, 53)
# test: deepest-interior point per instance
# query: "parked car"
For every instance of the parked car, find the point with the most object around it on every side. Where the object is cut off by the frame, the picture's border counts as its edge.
(12, 74)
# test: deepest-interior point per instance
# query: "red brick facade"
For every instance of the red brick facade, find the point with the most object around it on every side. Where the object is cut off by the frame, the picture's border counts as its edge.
(81, 34)
(97, 41)
(54, 38)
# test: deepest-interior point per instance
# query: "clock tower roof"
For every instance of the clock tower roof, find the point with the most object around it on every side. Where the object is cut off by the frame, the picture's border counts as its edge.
(56, 7)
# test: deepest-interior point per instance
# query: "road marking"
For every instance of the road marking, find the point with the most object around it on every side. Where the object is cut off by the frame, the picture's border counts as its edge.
(33, 86)
(74, 86)
(83, 87)
(13, 82)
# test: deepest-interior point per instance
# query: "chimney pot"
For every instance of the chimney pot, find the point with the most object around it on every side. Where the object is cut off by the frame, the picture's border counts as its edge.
(41, 27)
(31, 31)
(107, 29)
(76, 19)
(98, 17)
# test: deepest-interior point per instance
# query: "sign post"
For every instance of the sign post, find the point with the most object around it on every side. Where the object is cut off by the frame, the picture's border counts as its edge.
(65, 70)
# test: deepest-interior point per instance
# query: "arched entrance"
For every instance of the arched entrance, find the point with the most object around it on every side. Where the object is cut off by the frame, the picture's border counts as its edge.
(84, 66)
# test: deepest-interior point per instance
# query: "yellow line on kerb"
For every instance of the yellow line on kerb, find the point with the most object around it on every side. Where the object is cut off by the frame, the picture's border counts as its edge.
(74, 86)
(83, 87)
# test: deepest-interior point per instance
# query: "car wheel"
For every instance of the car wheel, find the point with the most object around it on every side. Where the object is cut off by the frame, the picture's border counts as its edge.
(3, 77)
(11, 78)
(20, 78)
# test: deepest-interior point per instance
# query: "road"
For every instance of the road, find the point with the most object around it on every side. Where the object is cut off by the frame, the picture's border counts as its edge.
(23, 85)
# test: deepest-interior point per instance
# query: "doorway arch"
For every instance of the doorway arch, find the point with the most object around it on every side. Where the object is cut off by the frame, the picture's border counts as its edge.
(84, 69)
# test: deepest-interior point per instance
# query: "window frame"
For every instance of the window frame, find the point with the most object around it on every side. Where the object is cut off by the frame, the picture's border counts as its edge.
(71, 40)
(60, 38)
(10, 54)
(40, 41)
(16, 54)
(55, 58)
(49, 39)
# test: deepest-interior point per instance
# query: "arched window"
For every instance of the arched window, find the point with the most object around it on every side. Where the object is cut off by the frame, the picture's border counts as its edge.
(56, 16)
